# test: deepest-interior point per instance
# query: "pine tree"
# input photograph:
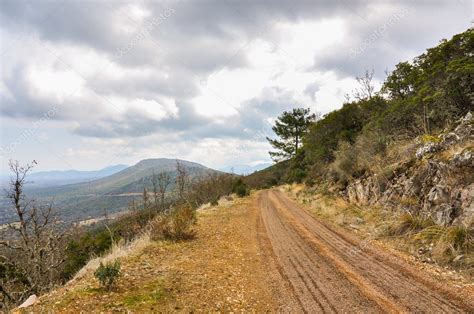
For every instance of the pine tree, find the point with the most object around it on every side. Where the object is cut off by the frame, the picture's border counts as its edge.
(290, 127)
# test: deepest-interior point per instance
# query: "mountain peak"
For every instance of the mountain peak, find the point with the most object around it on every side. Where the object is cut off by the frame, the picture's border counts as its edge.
(166, 163)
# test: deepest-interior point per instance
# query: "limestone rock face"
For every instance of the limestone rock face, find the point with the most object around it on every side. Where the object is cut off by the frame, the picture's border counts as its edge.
(427, 148)
(463, 159)
(365, 190)
(434, 186)
(466, 203)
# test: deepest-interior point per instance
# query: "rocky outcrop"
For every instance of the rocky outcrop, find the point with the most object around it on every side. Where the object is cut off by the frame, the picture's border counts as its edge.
(367, 190)
(431, 184)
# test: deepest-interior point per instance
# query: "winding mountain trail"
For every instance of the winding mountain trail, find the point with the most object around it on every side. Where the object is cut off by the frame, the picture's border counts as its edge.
(329, 270)
(262, 253)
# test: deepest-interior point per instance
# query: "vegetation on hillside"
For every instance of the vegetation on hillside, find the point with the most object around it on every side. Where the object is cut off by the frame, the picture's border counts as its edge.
(374, 136)
(418, 98)
(108, 273)
(112, 193)
(39, 252)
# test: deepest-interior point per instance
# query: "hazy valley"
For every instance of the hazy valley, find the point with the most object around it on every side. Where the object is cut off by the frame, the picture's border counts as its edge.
(99, 192)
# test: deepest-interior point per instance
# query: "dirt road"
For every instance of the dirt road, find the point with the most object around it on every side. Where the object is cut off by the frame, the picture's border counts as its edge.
(262, 253)
(329, 270)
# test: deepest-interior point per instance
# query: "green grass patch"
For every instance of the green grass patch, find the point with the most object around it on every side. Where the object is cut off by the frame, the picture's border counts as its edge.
(151, 297)
(149, 294)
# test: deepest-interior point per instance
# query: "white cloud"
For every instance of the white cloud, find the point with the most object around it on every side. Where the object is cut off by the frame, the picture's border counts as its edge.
(56, 85)
(196, 80)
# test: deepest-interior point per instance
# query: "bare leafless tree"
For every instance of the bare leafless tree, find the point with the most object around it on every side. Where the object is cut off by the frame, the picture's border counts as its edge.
(366, 87)
(145, 199)
(132, 206)
(106, 223)
(30, 248)
(210, 187)
(181, 182)
(161, 183)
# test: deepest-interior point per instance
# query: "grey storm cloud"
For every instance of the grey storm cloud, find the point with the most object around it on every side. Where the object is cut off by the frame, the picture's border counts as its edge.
(311, 90)
(379, 41)
(180, 43)
(250, 122)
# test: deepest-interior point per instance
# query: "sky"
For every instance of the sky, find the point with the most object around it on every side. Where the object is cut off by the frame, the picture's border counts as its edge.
(88, 84)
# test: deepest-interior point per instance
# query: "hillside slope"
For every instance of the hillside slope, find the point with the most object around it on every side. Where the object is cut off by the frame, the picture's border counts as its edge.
(408, 147)
(131, 177)
(208, 273)
(111, 193)
(265, 253)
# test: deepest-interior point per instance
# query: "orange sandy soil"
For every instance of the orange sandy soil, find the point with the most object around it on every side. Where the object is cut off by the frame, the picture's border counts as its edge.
(221, 269)
(229, 266)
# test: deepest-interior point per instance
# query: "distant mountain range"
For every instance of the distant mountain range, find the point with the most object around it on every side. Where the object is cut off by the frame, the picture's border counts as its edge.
(58, 177)
(93, 195)
(245, 169)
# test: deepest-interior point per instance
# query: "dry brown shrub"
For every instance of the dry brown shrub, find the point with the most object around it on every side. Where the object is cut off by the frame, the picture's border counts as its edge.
(176, 225)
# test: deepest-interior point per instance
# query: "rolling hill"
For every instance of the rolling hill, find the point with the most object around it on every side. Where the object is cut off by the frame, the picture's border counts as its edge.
(112, 193)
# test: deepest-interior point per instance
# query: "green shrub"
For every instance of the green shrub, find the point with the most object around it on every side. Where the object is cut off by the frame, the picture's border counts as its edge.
(108, 274)
(242, 191)
(240, 188)
(297, 175)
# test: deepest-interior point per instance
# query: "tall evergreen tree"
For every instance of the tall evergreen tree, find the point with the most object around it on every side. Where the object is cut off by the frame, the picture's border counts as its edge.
(290, 127)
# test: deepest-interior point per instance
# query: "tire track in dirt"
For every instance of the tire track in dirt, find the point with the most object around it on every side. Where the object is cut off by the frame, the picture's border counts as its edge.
(318, 285)
(329, 271)
(344, 245)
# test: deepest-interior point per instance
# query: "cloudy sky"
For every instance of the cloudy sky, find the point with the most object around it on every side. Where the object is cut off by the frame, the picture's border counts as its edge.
(86, 84)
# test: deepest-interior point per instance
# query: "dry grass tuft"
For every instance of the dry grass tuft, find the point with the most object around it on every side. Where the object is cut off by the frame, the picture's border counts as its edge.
(445, 245)
(177, 225)
(409, 224)
(455, 149)
(452, 242)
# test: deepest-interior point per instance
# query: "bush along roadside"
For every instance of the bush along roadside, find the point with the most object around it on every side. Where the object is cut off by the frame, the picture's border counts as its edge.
(107, 274)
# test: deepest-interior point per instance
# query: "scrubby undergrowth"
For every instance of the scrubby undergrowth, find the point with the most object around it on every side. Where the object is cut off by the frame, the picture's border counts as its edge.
(203, 274)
